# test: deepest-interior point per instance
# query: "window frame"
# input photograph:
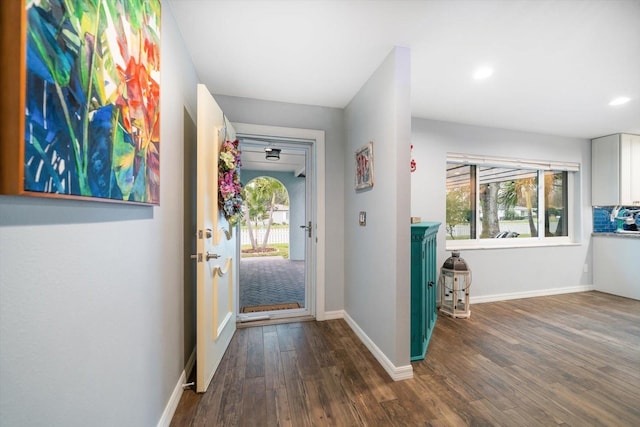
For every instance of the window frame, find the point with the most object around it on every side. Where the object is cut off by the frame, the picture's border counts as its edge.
(572, 170)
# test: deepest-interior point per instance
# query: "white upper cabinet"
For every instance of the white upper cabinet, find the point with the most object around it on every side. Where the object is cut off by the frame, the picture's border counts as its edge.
(615, 172)
(629, 169)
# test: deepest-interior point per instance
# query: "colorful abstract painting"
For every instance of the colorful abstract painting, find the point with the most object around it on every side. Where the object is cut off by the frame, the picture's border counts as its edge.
(92, 113)
(364, 167)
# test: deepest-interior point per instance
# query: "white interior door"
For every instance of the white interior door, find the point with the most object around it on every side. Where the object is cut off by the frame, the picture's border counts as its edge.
(215, 246)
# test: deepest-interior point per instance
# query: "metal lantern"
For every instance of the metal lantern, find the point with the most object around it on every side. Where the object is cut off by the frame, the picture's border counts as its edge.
(454, 284)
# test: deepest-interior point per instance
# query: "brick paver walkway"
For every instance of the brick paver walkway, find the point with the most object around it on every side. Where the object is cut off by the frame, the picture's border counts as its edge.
(271, 280)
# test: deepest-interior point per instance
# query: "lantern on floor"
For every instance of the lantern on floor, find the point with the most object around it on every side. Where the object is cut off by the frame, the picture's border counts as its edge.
(454, 284)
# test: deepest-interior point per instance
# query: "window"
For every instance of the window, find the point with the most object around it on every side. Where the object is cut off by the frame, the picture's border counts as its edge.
(490, 199)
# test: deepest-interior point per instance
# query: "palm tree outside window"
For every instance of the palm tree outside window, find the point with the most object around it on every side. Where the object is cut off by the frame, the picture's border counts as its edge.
(503, 201)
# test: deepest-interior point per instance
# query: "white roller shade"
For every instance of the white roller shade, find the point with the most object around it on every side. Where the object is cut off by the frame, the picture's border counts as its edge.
(482, 160)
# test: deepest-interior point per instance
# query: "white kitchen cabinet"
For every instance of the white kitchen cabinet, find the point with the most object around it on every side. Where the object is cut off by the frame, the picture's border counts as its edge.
(615, 265)
(615, 170)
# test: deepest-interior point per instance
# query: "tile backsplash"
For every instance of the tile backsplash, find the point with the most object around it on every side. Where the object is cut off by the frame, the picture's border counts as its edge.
(602, 219)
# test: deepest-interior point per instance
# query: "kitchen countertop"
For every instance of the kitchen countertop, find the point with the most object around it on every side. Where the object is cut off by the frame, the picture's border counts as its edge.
(622, 235)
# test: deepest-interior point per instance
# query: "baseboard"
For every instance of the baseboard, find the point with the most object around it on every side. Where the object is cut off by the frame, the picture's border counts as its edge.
(172, 404)
(332, 315)
(529, 294)
(397, 373)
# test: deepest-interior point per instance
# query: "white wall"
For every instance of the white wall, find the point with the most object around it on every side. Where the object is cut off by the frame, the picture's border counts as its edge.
(244, 110)
(504, 273)
(91, 294)
(377, 288)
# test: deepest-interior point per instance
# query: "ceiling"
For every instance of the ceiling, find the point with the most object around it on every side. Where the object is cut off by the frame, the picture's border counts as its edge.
(254, 157)
(557, 64)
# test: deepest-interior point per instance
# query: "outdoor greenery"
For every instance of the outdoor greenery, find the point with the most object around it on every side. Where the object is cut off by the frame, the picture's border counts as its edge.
(261, 196)
(278, 249)
(511, 201)
(512, 193)
(458, 208)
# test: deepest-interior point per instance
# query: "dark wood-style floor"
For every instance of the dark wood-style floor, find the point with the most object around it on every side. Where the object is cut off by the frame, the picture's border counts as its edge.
(570, 359)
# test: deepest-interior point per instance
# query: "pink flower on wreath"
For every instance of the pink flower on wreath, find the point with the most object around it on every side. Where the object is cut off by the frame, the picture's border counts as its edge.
(227, 190)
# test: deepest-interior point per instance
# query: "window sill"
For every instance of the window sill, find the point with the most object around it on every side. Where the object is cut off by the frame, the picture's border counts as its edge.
(456, 245)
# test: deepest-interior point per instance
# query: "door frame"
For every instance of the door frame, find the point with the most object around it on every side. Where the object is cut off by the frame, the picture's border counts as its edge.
(289, 146)
(318, 200)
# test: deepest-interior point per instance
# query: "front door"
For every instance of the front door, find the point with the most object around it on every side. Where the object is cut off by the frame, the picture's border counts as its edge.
(315, 249)
(215, 245)
(276, 235)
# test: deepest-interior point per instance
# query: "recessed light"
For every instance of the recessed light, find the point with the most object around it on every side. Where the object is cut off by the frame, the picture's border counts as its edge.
(482, 73)
(620, 100)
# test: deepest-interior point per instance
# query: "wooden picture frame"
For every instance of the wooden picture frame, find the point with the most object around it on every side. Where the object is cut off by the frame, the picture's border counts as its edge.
(364, 167)
(80, 105)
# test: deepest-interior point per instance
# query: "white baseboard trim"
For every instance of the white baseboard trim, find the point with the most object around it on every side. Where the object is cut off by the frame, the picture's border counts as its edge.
(332, 315)
(172, 404)
(529, 294)
(397, 373)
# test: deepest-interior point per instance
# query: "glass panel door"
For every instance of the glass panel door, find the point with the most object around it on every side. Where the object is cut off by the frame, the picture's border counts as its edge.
(274, 234)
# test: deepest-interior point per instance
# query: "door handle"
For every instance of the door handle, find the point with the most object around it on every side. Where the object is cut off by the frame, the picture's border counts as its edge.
(309, 228)
(209, 256)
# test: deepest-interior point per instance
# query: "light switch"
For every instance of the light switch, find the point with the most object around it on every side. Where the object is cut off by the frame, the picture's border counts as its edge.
(362, 219)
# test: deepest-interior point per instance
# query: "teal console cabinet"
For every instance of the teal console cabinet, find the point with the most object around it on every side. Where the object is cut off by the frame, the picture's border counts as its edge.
(424, 279)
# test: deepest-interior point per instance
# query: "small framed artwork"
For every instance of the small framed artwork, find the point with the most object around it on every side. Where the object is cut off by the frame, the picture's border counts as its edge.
(364, 167)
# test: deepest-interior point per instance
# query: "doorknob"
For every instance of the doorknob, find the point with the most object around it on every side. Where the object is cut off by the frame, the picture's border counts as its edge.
(212, 256)
(309, 228)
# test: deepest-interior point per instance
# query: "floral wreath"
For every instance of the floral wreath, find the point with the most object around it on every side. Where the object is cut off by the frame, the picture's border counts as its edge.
(229, 186)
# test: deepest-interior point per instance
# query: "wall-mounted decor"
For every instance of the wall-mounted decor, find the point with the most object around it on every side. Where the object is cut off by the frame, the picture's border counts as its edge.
(414, 165)
(86, 77)
(364, 167)
(229, 186)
